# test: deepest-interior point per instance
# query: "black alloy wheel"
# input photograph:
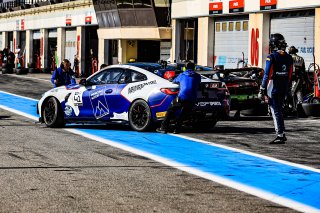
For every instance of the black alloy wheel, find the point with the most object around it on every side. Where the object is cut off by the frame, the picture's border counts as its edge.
(140, 116)
(52, 114)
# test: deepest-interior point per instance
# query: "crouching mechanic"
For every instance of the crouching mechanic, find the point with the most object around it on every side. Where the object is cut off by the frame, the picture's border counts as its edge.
(275, 82)
(63, 75)
(189, 82)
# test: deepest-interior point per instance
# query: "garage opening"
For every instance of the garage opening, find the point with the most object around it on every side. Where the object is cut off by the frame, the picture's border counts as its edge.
(231, 40)
(298, 29)
(148, 51)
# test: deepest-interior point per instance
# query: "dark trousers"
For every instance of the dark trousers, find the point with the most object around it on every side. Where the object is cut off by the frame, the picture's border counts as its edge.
(176, 105)
(276, 106)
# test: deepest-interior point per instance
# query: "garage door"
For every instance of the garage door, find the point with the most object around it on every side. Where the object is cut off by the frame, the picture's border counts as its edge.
(298, 30)
(70, 45)
(231, 41)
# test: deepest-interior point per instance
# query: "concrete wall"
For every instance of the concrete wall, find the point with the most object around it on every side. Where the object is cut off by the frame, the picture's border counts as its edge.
(51, 16)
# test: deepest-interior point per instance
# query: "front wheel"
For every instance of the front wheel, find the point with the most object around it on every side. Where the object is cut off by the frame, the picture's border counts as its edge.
(140, 118)
(52, 113)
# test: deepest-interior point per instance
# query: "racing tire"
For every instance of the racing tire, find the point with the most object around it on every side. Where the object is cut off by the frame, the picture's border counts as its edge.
(311, 109)
(140, 118)
(52, 113)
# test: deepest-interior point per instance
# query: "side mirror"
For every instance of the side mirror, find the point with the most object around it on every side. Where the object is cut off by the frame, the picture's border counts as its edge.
(83, 82)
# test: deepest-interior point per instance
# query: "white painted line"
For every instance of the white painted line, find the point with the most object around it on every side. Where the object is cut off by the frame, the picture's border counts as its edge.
(19, 96)
(223, 181)
(250, 153)
(19, 113)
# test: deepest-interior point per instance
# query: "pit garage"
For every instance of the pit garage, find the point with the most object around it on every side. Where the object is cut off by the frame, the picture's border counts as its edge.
(231, 39)
(298, 29)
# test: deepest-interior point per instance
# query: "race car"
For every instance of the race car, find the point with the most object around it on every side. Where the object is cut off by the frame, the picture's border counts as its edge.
(125, 93)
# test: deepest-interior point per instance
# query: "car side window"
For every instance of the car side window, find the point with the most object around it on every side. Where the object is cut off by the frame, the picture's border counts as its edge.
(97, 79)
(125, 77)
(137, 76)
(109, 76)
(113, 76)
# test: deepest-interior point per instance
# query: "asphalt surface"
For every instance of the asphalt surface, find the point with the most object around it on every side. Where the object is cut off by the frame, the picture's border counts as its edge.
(51, 170)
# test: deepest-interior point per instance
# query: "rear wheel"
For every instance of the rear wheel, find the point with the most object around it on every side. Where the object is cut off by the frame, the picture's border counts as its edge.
(140, 118)
(52, 113)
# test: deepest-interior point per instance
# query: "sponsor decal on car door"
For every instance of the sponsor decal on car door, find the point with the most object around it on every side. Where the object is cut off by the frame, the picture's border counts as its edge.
(99, 102)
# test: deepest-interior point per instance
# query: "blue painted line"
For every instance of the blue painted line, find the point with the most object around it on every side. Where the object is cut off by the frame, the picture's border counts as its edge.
(287, 181)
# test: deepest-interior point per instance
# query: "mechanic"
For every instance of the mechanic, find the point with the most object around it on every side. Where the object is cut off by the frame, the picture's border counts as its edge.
(63, 75)
(299, 78)
(275, 82)
(189, 82)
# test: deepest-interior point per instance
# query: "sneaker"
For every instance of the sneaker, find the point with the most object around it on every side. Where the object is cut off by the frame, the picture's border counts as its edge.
(279, 140)
(160, 130)
(284, 137)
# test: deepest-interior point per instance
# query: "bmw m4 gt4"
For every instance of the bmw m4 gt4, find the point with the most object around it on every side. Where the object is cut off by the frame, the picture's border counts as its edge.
(129, 94)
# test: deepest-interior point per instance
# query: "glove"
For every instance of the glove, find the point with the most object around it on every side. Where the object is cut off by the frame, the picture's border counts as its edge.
(262, 93)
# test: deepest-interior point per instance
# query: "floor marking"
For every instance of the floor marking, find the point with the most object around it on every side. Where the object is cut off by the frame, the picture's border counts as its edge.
(300, 184)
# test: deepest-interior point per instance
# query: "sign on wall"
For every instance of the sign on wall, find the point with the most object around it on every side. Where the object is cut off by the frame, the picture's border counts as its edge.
(268, 4)
(22, 24)
(68, 20)
(236, 6)
(215, 7)
(88, 18)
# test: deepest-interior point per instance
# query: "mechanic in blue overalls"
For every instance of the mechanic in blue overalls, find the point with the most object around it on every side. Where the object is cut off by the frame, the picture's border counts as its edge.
(275, 83)
(63, 75)
(189, 82)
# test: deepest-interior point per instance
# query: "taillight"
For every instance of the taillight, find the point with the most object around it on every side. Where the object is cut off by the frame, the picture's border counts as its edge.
(169, 91)
(169, 74)
(233, 85)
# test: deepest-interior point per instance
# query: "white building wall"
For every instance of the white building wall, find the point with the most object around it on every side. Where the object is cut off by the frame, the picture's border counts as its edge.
(197, 8)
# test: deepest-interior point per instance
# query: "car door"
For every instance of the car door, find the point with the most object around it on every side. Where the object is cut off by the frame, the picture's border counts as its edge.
(100, 92)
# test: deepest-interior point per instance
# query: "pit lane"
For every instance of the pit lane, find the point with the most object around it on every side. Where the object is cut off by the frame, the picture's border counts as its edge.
(238, 135)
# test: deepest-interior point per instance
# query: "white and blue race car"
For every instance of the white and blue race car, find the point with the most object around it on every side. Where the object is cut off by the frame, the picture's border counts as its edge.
(124, 93)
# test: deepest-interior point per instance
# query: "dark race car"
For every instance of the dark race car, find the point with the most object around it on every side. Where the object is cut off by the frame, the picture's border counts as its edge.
(243, 85)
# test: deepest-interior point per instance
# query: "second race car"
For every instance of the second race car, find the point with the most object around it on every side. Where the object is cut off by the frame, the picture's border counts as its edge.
(125, 93)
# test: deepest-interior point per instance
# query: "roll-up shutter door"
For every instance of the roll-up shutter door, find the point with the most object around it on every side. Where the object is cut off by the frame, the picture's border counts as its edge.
(70, 45)
(298, 30)
(231, 41)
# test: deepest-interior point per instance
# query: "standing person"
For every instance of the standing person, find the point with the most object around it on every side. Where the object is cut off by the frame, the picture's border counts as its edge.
(275, 82)
(189, 82)
(63, 75)
(17, 56)
(299, 78)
